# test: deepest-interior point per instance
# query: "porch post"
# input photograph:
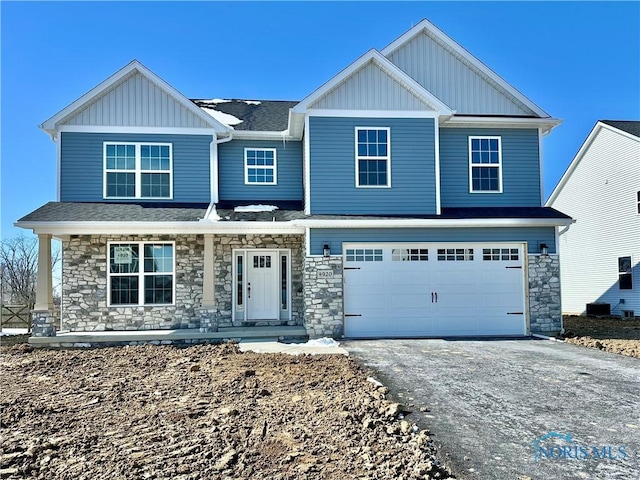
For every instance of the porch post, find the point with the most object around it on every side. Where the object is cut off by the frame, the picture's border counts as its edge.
(208, 318)
(43, 310)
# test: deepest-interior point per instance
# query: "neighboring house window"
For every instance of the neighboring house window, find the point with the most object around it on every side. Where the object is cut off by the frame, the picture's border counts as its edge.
(260, 166)
(485, 165)
(373, 157)
(625, 279)
(137, 170)
(638, 199)
(141, 273)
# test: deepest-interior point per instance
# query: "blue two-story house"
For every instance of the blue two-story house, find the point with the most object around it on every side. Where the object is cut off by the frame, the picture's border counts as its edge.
(402, 198)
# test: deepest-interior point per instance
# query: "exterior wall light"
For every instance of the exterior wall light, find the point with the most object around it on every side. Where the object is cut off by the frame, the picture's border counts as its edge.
(326, 251)
(544, 249)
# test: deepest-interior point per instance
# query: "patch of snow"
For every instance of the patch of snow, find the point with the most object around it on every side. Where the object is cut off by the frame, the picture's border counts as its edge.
(215, 101)
(321, 342)
(255, 208)
(252, 102)
(13, 331)
(222, 117)
(374, 381)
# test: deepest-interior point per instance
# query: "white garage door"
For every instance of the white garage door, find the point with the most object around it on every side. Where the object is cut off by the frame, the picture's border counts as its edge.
(434, 290)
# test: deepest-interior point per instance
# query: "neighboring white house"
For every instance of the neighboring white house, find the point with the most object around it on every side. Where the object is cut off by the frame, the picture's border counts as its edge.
(600, 260)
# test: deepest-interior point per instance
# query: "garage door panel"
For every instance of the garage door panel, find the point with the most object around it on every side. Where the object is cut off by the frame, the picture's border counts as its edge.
(455, 290)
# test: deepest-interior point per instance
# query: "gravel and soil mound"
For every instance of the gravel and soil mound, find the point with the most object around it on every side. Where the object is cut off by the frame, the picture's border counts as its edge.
(612, 334)
(202, 412)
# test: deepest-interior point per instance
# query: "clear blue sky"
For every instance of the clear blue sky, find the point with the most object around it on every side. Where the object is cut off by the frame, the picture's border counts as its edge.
(579, 61)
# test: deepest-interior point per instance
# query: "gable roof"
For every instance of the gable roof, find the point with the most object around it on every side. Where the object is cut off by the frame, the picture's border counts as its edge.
(117, 79)
(467, 59)
(612, 125)
(385, 65)
(632, 127)
(254, 115)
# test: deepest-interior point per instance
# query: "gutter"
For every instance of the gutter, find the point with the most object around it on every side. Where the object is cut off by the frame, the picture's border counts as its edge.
(211, 214)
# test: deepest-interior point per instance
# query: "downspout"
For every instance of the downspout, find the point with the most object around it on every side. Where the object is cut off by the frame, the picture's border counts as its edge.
(213, 155)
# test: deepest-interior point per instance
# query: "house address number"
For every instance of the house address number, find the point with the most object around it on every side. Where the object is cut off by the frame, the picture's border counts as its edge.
(325, 273)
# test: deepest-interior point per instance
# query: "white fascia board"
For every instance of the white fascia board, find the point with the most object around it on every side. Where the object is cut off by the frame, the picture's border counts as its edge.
(462, 52)
(388, 67)
(436, 223)
(547, 124)
(149, 130)
(578, 157)
(323, 112)
(149, 228)
(265, 135)
(50, 125)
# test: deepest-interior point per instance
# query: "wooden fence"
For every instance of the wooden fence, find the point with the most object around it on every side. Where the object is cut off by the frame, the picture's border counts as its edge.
(15, 316)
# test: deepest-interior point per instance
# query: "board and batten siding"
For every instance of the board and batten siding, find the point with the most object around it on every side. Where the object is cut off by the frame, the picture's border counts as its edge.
(601, 195)
(137, 102)
(520, 168)
(335, 237)
(81, 165)
(289, 171)
(333, 172)
(371, 88)
(452, 80)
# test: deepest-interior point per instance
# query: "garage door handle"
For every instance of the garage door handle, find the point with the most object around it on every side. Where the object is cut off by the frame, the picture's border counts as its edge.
(352, 268)
(436, 297)
(352, 314)
(515, 313)
(519, 266)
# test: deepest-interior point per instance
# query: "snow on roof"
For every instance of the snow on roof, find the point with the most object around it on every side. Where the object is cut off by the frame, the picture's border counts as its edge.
(255, 208)
(216, 101)
(222, 117)
(252, 102)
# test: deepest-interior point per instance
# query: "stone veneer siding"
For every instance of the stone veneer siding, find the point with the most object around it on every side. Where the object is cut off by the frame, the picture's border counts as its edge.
(84, 286)
(323, 297)
(544, 294)
(223, 252)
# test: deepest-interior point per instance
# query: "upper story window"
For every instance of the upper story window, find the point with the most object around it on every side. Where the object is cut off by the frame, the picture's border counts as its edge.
(373, 157)
(260, 166)
(485, 165)
(138, 170)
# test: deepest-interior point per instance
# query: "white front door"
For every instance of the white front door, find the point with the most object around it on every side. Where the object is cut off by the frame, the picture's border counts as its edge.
(262, 286)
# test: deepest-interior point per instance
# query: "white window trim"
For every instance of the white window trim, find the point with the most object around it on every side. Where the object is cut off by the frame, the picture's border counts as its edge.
(366, 157)
(141, 273)
(138, 170)
(490, 165)
(274, 167)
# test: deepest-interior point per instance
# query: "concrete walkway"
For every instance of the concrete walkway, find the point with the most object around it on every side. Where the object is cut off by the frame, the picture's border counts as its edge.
(489, 401)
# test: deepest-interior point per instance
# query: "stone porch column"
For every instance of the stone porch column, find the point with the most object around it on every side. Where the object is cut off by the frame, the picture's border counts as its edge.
(208, 318)
(43, 310)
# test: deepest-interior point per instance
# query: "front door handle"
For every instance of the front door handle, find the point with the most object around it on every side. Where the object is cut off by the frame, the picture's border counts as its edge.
(248, 290)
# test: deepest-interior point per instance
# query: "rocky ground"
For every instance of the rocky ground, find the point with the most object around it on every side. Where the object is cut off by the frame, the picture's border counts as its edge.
(612, 334)
(202, 412)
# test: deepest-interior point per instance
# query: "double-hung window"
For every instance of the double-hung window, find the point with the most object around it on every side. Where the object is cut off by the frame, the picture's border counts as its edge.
(260, 166)
(141, 273)
(485, 165)
(373, 157)
(625, 276)
(138, 170)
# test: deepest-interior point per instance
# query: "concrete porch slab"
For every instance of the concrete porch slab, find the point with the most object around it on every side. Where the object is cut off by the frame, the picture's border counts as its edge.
(65, 339)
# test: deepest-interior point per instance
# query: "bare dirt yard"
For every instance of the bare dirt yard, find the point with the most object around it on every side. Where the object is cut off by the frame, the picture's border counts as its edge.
(202, 412)
(612, 334)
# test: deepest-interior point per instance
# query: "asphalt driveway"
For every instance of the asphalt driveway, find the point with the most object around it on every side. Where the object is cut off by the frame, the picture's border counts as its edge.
(489, 400)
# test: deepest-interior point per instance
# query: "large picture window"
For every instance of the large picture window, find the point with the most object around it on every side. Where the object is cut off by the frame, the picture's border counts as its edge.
(138, 170)
(260, 166)
(485, 165)
(373, 157)
(141, 273)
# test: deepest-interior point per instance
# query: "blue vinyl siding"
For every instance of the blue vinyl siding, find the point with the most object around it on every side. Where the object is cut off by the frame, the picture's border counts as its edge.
(81, 166)
(289, 171)
(336, 236)
(332, 167)
(520, 168)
